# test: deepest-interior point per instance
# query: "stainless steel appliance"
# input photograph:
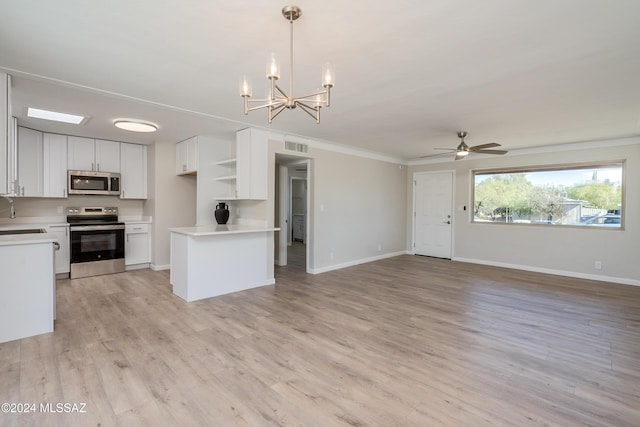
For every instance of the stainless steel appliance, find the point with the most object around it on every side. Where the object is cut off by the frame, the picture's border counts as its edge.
(94, 183)
(97, 241)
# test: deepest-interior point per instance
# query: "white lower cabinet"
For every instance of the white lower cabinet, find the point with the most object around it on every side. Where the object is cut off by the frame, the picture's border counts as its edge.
(136, 245)
(62, 255)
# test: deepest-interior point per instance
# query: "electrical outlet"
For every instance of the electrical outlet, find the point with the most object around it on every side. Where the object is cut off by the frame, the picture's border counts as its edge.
(597, 265)
(59, 209)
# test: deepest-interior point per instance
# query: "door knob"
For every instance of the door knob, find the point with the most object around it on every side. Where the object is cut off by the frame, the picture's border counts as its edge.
(447, 222)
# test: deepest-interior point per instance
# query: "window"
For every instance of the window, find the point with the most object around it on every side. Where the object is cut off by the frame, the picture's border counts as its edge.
(588, 195)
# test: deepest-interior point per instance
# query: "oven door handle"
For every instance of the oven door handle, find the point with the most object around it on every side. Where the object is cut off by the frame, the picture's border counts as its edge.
(96, 227)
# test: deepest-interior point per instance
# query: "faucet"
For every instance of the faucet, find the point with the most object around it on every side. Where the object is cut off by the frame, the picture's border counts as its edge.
(12, 210)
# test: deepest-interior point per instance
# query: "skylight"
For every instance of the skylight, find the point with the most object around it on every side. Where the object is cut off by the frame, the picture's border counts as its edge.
(55, 116)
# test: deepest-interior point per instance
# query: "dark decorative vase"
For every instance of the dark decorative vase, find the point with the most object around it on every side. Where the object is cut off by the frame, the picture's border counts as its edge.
(222, 213)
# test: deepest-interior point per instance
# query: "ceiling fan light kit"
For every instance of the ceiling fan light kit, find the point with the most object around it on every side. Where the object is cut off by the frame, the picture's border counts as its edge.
(277, 100)
(463, 150)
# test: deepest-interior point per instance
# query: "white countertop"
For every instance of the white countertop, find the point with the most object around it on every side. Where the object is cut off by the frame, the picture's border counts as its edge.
(26, 239)
(212, 230)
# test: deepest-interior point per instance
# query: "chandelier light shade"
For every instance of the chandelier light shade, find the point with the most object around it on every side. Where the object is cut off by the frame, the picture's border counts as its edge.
(277, 100)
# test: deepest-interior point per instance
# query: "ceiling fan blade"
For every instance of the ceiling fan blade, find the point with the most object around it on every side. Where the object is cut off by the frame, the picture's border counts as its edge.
(483, 146)
(491, 151)
(448, 149)
(434, 155)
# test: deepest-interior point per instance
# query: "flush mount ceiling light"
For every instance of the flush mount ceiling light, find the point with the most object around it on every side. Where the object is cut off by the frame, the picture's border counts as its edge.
(55, 116)
(277, 100)
(135, 126)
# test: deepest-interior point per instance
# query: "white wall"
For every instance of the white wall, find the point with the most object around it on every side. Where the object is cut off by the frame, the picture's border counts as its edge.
(357, 209)
(560, 250)
(171, 204)
(28, 207)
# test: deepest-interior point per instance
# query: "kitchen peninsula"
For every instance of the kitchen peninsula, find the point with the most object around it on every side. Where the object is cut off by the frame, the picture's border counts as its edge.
(27, 288)
(212, 260)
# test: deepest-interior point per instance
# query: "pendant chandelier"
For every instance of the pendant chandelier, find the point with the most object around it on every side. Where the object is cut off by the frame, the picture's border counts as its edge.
(276, 99)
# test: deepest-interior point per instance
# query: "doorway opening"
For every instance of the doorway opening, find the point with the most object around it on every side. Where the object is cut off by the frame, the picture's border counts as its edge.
(293, 199)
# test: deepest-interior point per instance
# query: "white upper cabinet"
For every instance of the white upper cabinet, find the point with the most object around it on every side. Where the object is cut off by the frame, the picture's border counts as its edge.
(241, 173)
(55, 165)
(93, 154)
(80, 153)
(43, 159)
(107, 156)
(187, 157)
(252, 148)
(133, 171)
(30, 169)
(4, 132)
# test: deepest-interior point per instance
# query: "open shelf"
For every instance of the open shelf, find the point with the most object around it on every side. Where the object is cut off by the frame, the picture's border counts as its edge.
(228, 162)
(225, 178)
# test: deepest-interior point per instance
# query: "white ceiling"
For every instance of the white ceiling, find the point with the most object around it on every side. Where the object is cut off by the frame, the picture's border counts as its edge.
(409, 73)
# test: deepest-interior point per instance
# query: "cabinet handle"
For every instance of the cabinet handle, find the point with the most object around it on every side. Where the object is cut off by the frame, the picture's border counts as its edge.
(97, 166)
(93, 166)
(64, 192)
(122, 195)
(56, 246)
(23, 190)
(184, 168)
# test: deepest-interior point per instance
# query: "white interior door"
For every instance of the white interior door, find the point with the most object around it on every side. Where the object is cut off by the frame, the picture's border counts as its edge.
(433, 200)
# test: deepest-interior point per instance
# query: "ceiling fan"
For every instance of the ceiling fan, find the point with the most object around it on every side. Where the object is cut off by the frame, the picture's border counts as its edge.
(462, 150)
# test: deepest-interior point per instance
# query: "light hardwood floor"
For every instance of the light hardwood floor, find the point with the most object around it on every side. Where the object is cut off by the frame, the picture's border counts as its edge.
(406, 341)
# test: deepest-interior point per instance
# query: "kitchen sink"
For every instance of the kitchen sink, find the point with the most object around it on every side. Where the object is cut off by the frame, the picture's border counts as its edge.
(22, 231)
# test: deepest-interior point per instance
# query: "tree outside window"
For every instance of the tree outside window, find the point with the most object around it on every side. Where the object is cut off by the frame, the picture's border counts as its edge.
(577, 195)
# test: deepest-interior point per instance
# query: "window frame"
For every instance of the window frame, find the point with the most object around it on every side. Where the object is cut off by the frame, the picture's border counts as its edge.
(550, 168)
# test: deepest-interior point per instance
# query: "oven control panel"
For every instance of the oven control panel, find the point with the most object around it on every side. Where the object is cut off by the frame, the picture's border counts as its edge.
(90, 211)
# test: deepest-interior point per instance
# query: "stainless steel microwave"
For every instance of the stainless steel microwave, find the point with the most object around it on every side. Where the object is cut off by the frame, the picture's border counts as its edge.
(94, 183)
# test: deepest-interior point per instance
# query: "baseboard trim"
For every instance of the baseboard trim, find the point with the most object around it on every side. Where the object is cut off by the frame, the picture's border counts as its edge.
(155, 267)
(574, 274)
(355, 262)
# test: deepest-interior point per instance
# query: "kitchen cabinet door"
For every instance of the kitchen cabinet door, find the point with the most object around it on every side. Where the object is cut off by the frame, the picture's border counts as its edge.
(252, 164)
(55, 165)
(5, 126)
(62, 255)
(86, 154)
(187, 157)
(136, 249)
(107, 156)
(80, 153)
(30, 162)
(133, 170)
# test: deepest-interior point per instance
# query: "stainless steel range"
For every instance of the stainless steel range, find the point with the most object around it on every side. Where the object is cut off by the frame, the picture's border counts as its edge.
(97, 241)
